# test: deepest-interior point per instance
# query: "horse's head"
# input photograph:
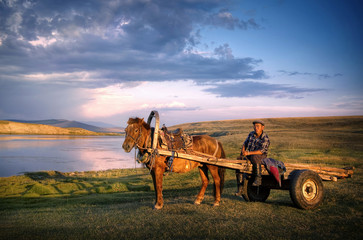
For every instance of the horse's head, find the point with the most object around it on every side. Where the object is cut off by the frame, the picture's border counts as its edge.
(136, 133)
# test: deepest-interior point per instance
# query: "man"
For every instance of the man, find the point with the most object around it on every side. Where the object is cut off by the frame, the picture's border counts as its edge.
(255, 148)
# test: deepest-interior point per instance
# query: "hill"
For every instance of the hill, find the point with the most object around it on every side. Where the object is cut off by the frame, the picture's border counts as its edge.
(300, 139)
(8, 127)
(71, 124)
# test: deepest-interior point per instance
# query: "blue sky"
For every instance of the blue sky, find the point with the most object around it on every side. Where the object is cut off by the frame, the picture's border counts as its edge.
(192, 60)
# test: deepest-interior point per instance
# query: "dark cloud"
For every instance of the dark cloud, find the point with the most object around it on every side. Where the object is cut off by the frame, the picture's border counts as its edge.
(224, 52)
(260, 89)
(319, 75)
(120, 40)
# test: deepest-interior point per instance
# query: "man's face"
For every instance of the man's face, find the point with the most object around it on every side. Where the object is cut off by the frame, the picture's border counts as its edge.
(258, 127)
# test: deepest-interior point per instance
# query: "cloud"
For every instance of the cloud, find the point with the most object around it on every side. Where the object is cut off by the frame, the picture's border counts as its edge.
(224, 52)
(170, 107)
(243, 89)
(319, 75)
(225, 19)
(118, 41)
(170, 96)
(77, 58)
(350, 103)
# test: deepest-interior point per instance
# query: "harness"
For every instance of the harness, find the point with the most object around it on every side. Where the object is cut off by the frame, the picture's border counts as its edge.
(172, 141)
(146, 157)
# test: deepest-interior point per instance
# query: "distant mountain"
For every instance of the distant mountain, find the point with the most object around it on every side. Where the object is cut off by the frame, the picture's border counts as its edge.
(70, 124)
(101, 124)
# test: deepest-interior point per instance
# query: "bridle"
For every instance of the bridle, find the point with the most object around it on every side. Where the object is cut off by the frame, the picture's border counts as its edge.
(137, 146)
(134, 139)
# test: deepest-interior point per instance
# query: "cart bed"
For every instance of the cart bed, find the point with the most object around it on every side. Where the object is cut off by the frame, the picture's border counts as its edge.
(326, 173)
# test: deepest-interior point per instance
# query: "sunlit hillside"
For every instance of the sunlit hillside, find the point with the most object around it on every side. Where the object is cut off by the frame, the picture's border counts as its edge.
(8, 127)
(334, 140)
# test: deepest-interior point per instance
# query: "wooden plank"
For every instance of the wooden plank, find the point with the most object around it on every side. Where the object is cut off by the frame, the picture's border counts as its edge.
(316, 167)
(323, 170)
(212, 160)
(328, 177)
(326, 173)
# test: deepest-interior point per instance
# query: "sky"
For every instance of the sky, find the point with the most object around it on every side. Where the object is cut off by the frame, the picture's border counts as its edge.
(191, 60)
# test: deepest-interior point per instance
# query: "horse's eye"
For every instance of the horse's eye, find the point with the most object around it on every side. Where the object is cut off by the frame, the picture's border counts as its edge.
(136, 130)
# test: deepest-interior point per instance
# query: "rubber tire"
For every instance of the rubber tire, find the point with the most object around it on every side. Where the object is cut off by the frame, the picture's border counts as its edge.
(313, 194)
(254, 194)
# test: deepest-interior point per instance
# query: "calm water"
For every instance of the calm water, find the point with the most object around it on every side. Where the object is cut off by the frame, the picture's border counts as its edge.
(19, 154)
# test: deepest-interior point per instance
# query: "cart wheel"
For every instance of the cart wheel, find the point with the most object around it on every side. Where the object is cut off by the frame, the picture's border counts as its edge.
(254, 194)
(306, 189)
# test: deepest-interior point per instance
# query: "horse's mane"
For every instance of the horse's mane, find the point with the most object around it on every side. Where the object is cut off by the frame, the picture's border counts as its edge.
(138, 121)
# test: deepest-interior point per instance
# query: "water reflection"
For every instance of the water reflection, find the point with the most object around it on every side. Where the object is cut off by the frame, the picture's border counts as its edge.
(62, 153)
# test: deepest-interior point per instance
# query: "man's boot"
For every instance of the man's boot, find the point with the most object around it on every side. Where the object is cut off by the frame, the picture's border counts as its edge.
(257, 173)
(239, 177)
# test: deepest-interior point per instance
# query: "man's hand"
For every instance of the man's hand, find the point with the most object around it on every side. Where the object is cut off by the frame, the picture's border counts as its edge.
(244, 153)
(257, 152)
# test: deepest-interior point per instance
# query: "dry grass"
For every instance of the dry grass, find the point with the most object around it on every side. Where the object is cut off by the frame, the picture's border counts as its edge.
(324, 140)
(9, 127)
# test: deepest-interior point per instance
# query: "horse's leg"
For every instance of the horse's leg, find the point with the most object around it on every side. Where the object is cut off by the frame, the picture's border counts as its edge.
(158, 185)
(152, 172)
(205, 180)
(216, 184)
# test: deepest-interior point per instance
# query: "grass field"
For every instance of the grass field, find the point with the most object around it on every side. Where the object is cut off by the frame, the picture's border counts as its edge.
(117, 204)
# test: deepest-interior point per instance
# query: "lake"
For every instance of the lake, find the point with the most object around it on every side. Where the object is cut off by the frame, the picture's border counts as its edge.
(31, 153)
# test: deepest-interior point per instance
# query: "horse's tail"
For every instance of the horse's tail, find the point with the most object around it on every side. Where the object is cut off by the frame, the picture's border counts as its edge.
(221, 170)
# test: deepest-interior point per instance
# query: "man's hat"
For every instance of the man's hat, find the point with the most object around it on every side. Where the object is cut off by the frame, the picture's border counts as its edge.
(259, 121)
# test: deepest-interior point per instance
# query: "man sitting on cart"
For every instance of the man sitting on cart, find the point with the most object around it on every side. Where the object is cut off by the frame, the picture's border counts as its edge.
(255, 148)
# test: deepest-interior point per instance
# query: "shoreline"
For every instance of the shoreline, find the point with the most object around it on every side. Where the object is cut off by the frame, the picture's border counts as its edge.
(73, 173)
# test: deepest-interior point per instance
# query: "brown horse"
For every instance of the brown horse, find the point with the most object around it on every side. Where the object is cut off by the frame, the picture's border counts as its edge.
(138, 133)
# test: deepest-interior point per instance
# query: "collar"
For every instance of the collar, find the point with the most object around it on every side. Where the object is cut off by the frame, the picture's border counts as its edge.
(261, 136)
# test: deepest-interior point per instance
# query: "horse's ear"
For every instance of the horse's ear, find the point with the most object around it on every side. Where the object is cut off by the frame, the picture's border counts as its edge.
(141, 120)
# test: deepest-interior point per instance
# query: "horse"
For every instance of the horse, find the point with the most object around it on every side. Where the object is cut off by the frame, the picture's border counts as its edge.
(138, 134)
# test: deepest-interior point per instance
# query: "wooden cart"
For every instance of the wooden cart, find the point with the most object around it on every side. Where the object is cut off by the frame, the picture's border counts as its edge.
(304, 181)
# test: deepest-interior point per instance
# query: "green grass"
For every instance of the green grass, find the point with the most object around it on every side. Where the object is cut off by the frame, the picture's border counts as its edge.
(117, 204)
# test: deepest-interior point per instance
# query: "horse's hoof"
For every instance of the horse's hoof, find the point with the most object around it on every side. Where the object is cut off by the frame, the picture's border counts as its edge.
(216, 204)
(158, 207)
(196, 202)
(238, 194)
